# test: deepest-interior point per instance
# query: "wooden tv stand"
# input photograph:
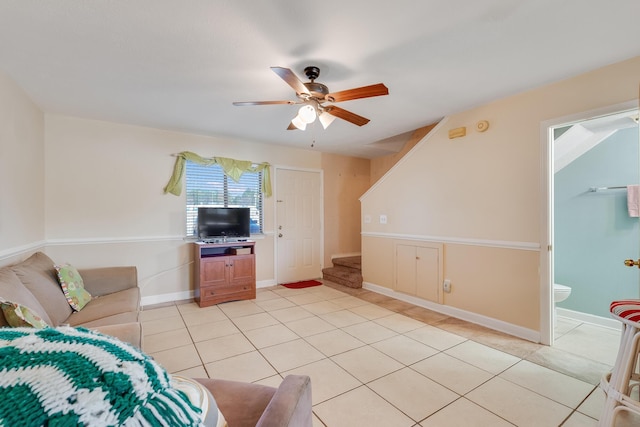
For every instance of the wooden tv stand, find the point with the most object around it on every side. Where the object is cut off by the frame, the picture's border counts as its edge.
(224, 272)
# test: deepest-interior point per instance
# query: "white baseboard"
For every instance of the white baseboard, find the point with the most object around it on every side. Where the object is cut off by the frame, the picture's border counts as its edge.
(588, 318)
(162, 298)
(498, 325)
(266, 283)
(185, 295)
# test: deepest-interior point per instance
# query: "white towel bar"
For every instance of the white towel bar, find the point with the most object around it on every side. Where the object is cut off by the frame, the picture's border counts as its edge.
(594, 189)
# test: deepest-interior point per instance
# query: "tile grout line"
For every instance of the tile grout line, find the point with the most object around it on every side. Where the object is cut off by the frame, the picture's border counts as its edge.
(494, 375)
(375, 320)
(193, 343)
(574, 410)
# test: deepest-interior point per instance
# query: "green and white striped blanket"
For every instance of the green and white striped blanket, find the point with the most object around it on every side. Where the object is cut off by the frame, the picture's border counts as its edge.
(75, 377)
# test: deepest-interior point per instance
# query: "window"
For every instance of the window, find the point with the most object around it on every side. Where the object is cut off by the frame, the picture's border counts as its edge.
(209, 186)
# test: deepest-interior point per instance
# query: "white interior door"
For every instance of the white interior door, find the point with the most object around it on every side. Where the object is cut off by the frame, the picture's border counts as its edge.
(298, 225)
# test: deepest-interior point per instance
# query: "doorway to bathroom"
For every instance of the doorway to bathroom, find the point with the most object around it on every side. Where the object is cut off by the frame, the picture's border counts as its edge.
(594, 158)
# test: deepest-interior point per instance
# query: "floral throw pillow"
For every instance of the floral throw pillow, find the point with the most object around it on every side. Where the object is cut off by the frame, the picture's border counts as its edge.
(72, 286)
(18, 315)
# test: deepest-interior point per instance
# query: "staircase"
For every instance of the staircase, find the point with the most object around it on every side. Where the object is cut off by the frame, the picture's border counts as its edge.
(346, 271)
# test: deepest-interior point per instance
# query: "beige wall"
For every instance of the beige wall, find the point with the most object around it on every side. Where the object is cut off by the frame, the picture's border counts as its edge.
(104, 196)
(100, 185)
(484, 191)
(21, 171)
(345, 180)
(105, 204)
(381, 165)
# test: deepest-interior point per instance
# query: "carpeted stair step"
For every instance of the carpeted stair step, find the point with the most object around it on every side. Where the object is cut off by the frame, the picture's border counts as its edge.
(349, 262)
(345, 276)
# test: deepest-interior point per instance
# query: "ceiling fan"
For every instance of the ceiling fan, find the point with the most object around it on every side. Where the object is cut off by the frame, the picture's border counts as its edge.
(312, 95)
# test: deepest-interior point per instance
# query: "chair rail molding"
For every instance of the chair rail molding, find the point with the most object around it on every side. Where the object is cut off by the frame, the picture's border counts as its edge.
(525, 246)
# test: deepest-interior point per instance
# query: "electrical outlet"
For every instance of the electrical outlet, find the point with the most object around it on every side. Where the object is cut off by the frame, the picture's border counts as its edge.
(367, 219)
(446, 286)
(383, 219)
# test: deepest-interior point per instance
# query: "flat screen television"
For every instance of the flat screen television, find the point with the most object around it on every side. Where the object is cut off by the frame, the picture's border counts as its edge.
(214, 223)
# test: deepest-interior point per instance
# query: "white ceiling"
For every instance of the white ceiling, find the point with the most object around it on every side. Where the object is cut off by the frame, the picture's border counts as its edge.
(179, 65)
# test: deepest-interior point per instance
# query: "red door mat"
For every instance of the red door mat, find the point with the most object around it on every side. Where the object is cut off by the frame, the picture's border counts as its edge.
(302, 284)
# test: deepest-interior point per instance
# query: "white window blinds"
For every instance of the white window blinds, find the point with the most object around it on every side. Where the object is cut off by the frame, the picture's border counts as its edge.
(209, 186)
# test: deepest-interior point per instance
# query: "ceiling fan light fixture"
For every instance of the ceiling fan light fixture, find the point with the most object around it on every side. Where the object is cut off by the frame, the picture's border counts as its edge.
(299, 123)
(326, 119)
(312, 96)
(307, 113)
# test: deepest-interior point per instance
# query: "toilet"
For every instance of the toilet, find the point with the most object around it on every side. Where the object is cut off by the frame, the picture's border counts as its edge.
(560, 292)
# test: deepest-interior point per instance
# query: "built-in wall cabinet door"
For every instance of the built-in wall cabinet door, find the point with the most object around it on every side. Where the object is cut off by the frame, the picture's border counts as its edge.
(419, 270)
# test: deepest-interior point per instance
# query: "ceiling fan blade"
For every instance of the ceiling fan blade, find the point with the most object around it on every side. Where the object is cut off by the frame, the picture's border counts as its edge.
(343, 114)
(263, 103)
(291, 79)
(292, 127)
(357, 93)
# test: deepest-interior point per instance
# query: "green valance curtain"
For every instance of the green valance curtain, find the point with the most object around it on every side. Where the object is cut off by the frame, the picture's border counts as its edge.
(231, 167)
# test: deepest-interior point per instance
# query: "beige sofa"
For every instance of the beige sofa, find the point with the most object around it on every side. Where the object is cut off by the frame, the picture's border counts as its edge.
(113, 309)
(255, 405)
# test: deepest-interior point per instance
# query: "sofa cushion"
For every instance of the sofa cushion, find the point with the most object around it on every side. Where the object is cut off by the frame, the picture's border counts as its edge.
(12, 289)
(107, 280)
(130, 333)
(116, 319)
(123, 302)
(39, 276)
(18, 315)
(72, 286)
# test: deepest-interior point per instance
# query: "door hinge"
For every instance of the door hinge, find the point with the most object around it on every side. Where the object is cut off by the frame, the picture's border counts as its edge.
(549, 248)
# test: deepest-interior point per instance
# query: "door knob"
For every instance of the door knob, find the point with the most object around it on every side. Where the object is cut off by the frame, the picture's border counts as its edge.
(631, 263)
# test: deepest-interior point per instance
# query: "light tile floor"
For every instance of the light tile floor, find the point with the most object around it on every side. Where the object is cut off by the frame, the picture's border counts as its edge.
(377, 361)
